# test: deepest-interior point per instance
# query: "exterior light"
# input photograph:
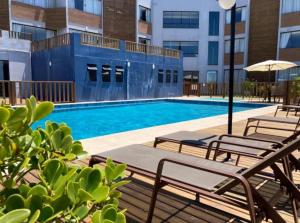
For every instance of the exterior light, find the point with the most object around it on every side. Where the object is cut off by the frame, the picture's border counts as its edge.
(153, 66)
(128, 64)
(226, 4)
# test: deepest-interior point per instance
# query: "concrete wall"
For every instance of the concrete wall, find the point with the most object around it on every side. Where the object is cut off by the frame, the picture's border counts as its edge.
(140, 79)
(17, 52)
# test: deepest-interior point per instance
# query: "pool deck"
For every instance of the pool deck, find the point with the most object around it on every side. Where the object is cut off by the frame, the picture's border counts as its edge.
(109, 142)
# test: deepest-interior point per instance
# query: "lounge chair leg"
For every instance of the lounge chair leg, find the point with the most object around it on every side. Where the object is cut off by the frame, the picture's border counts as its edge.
(180, 148)
(197, 198)
(155, 143)
(295, 210)
(237, 160)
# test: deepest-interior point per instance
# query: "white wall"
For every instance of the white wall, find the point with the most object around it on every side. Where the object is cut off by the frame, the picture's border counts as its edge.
(17, 52)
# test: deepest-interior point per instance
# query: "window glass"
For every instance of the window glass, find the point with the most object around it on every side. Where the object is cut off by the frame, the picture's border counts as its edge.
(36, 32)
(213, 52)
(89, 6)
(144, 41)
(214, 19)
(180, 19)
(168, 76)
(211, 76)
(106, 71)
(92, 72)
(290, 40)
(240, 15)
(290, 6)
(119, 74)
(239, 45)
(289, 74)
(239, 76)
(175, 76)
(189, 48)
(145, 14)
(160, 76)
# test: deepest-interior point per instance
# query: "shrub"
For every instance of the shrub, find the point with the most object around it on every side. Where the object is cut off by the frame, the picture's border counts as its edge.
(63, 191)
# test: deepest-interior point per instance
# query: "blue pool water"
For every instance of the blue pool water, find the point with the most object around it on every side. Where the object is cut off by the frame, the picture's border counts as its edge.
(91, 120)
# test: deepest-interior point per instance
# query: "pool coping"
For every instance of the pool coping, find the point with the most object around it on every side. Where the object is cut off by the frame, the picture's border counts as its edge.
(108, 142)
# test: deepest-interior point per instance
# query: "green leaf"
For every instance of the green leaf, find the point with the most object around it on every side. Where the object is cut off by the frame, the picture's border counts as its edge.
(43, 110)
(4, 115)
(61, 203)
(24, 189)
(46, 213)
(96, 218)
(101, 193)
(52, 170)
(76, 148)
(119, 184)
(72, 189)
(109, 173)
(84, 195)
(35, 203)
(35, 216)
(14, 202)
(38, 190)
(56, 139)
(119, 170)
(110, 214)
(93, 180)
(18, 115)
(81, 212)
(120, 218)
(16, 216)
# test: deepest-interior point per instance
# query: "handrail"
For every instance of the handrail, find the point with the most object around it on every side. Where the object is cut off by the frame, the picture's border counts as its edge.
(15, 92)
(151, 50)
(57, 41)
(17, 35)
(99, 41)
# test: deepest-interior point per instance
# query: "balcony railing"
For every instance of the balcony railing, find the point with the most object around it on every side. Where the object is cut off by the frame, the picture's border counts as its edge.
(151, 50)
(99, 41)
(15, 92)
(17, 35)
(57, 41)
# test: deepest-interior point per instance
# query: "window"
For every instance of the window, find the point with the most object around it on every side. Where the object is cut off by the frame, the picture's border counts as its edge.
(160, 76)
(89, 6)
(214, 19)
(119, 74)
(240, 15)
(36, 32)
(4, 75)
(213, 52)
(175, 76)
(180, 19)
(189, 48)
(239, 76)
(290, 6)
(39, 3)
(192, 76)
(290, 40)
(144, 41)
(92, 72)
(238, 48)
(211, 76)
(168, 76)
(145, 14)
(106, 70)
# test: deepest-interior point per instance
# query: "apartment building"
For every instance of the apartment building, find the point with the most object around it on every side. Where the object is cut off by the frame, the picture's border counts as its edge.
(201, 29)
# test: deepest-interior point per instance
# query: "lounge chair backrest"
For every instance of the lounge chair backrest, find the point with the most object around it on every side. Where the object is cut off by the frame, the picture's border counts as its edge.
(272, 158)
(267, 161)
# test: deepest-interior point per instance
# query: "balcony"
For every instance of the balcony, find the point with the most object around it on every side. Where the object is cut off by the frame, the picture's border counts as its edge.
(290, 19)
(145, 27)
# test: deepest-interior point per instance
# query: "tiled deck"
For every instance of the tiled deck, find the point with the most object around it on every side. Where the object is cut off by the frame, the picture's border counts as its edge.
(181, 208)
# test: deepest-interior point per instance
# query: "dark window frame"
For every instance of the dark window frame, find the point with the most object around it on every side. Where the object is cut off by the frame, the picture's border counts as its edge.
(168, 76)
(106, 78)
(181, 47)
(141, 7)
(92, 74)
(160, 76)
(175, 76)
(119, 77)
(181, 24)
(214, 23)
(213, 59)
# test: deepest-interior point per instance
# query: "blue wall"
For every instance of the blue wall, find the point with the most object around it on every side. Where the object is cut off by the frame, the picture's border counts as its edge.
(70, 63)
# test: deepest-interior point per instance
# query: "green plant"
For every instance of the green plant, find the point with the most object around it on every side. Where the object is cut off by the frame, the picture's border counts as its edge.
(62, 192)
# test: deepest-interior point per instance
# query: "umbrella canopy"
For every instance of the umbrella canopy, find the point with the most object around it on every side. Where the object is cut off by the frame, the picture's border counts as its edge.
(270, 65)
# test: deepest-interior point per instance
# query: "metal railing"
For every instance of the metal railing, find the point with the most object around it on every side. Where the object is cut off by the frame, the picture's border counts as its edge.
(57, 41)
(19, 35)
(99, 41)
(15, 92)
(151, 50)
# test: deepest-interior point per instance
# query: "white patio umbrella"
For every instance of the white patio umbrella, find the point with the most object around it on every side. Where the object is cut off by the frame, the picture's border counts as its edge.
(270, 65)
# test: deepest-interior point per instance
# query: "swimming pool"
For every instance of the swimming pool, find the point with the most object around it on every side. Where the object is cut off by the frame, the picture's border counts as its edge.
(98, 119)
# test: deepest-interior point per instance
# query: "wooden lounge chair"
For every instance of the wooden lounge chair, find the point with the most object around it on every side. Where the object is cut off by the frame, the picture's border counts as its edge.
(207, 178)
(239, 145)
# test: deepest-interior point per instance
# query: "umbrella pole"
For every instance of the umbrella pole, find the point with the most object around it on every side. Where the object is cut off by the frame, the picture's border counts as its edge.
(269, 85)
(231, 74)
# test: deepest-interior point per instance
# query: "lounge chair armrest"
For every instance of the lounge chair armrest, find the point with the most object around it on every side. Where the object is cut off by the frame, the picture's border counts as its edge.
(265, 127)
(279, 144)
